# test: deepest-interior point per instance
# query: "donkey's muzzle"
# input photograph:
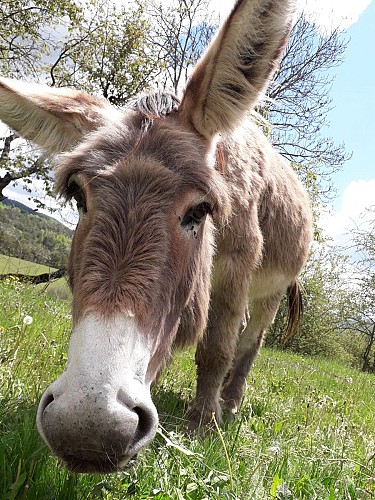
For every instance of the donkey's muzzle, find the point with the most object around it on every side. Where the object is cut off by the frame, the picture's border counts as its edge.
(96, 433)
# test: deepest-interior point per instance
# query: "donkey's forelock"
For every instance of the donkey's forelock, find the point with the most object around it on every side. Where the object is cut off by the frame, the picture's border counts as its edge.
(155, 104)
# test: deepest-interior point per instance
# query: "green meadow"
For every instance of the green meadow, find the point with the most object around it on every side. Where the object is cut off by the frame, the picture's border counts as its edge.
(58, 288)
(306, 427)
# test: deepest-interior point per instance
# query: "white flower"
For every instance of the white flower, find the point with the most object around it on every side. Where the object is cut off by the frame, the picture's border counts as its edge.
(283, 492)
(274, 449)
(27, 320)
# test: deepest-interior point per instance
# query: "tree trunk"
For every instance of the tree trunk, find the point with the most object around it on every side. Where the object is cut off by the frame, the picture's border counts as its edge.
(366, 367)
(35, 279)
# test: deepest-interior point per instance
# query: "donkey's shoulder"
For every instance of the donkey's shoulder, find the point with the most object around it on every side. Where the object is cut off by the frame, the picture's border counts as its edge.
(249, 162)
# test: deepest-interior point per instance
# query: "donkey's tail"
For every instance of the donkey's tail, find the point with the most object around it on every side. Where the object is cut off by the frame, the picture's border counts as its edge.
(295, 310)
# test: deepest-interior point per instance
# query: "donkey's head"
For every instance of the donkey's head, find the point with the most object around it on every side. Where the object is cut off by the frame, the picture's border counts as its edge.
(148, 190)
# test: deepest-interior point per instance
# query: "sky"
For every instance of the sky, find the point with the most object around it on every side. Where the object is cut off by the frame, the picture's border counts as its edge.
(352, 117)
(352, 123)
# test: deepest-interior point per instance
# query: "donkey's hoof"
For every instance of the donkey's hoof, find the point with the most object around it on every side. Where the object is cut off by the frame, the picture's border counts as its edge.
(202, 421)
(229, 406)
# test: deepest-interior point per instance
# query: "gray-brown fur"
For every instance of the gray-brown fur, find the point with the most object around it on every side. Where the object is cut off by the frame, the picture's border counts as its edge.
(148, 169)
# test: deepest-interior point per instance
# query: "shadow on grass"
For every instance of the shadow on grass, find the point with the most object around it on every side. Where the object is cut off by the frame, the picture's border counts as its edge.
(172, 409)
(27, 468)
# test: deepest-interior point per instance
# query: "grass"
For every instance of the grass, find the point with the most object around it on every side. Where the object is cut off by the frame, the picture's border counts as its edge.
(58, 288)
(306, 427)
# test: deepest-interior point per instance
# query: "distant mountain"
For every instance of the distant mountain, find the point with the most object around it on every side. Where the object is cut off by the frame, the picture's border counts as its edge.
(24, 208)
(30, 235)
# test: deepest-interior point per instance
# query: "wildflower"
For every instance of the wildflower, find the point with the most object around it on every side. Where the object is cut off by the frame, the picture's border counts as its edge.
(27, 320)
(283, 492)
(274, 450)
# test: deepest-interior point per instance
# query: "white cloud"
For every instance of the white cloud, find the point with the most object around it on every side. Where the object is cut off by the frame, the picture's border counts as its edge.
(330, 14)
(356, 198)
(327, 14)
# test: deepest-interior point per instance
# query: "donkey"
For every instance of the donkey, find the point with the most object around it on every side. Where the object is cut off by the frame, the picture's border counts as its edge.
(185, 213)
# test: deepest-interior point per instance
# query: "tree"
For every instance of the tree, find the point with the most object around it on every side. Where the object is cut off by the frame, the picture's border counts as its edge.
(19, 160)
(180, 31)
(100, 48)
(363, 301)
(28, 31)
(326, 328)
(339, 302)
(108, 53)
(298, 104)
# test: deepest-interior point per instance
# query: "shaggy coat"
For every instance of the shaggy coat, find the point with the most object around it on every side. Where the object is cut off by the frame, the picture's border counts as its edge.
(187, 218)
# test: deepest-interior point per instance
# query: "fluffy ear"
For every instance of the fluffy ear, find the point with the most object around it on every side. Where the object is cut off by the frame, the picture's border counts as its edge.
(237, 65)
(53, 118)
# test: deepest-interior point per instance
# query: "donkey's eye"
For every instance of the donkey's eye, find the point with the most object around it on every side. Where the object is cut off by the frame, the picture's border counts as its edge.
(196, 215)
(74, 191)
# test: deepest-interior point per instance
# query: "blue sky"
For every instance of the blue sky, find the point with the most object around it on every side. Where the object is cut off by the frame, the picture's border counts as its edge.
(353, 92)
(352, 123)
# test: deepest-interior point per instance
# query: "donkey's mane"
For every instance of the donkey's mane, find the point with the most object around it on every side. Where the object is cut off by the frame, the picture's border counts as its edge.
(155, 104)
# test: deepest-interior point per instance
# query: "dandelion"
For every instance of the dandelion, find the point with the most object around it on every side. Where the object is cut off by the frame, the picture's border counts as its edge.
(283, 492)
(274, 450)
(27, 320)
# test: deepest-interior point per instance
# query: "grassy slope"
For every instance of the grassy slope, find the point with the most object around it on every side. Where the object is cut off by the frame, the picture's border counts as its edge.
(305, 428)
(14, 265)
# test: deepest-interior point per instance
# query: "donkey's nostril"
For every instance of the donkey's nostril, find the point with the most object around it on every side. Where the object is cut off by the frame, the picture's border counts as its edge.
(146, 422)
(145, 413)
(46, 401)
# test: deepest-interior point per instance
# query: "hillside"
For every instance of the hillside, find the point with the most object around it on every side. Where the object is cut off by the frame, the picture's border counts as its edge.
(24, 208)
(32, 236)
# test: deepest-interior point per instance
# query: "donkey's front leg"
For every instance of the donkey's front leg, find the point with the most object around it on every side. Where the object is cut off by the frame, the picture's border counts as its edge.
(250, 341)
(215, 351)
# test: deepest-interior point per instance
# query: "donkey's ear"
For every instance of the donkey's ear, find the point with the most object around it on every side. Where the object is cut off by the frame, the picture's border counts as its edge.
(53, 118)
(237, 65)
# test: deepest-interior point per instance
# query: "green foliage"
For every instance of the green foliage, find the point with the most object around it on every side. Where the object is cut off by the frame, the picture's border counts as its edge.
(29, 34)
(327, 328)
(363, 303)
(96, 46)
(108, 53)
(26, 29)
(38, 239)
(304, 429)
(339, 296)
